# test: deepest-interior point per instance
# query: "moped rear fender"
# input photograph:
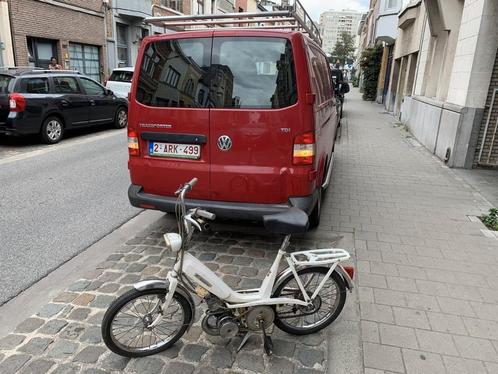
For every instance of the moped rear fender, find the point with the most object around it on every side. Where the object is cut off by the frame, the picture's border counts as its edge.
(163, 284)
(339, 269)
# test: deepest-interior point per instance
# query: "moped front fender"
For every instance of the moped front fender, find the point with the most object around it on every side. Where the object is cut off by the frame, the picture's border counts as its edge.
(163, 284)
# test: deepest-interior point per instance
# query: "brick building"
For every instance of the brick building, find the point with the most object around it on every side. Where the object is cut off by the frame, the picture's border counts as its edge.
(71, 30)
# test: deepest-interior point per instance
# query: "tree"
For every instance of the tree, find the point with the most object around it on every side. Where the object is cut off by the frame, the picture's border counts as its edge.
(344, 47)
(370, 66)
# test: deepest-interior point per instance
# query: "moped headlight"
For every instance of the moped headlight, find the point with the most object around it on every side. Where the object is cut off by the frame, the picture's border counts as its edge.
(173, 241)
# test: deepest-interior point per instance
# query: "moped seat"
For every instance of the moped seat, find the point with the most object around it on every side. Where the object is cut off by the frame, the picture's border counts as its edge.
(292, 221)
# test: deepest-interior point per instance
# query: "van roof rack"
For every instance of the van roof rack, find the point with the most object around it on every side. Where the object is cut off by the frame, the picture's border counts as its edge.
(290, 17)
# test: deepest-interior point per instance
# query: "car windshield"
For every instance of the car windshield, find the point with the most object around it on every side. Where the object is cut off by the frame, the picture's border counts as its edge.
(121, 76)
(4, 83)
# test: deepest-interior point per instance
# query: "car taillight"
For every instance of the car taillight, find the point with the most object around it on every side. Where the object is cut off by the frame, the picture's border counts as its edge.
(304, 149)
(17, 102)
(133, 146)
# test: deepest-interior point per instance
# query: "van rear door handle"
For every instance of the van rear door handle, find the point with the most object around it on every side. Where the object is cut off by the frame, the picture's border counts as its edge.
(92, 102)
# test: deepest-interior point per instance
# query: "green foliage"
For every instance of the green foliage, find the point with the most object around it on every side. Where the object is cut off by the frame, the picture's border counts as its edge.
(370, 64)
(491, 219)
(344, 48)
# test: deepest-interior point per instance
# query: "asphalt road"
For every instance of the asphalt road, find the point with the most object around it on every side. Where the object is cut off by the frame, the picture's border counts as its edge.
(57, 200)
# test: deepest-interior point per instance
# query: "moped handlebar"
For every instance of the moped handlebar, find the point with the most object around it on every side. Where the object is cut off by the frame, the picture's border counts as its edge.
(187, 186)
(192, 183)
(205, 214)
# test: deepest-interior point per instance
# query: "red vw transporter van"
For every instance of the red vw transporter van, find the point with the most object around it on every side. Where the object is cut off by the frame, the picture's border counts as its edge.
(250, 113)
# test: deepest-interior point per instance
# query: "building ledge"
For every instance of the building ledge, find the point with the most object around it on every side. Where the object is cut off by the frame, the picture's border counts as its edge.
(409, 15)
(439, 104)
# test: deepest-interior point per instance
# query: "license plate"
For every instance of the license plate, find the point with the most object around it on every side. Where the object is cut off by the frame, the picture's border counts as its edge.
(190, 151)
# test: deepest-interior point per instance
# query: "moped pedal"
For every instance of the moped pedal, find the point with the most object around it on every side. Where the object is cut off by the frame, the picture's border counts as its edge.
(268, 345)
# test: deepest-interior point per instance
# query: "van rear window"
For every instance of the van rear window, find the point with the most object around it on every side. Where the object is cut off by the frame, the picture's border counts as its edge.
(224, 72)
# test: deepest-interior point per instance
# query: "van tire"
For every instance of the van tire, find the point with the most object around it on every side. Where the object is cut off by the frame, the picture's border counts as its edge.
(314, 217)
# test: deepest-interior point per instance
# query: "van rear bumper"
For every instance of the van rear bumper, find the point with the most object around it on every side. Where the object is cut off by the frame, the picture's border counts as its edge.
(223, 209)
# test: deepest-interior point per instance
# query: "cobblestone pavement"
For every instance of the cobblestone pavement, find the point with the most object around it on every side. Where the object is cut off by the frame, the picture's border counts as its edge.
(64, 336)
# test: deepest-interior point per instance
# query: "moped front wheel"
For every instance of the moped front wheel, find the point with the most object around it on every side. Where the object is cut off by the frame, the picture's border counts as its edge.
(328, 304)
(128, 327)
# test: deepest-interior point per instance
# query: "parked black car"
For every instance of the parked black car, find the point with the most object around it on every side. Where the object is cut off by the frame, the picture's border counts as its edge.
(48, 102)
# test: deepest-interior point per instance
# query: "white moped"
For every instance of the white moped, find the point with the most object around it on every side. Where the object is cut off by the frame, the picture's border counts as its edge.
(302, 299)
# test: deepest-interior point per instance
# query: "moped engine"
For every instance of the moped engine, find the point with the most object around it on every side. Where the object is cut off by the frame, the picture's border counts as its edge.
(223, 324)
(219, 320)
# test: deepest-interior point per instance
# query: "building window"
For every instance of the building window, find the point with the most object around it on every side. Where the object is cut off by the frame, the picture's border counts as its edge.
(85, 59)
(173, 4)
(200, 6)
(392, 4)
(172, 77)
(40, 51)
(122, 44)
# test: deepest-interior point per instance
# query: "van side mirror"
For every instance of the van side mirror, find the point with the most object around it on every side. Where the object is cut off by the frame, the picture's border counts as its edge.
(108, 92)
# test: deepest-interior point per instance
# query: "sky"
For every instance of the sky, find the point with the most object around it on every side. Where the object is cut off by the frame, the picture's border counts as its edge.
(316, 7)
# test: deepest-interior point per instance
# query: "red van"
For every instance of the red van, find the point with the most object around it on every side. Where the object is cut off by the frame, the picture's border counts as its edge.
(250, 113)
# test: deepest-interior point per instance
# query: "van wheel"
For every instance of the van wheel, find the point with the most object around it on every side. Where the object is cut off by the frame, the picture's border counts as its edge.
(121, 119)
(52, 130)
(314, 217)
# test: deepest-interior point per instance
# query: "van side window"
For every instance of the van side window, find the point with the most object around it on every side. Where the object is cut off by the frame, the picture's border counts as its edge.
(174, 73)
(259, 75)
(320, 71)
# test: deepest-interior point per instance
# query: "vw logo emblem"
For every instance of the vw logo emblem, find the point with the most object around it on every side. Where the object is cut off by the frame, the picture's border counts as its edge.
(224, 143)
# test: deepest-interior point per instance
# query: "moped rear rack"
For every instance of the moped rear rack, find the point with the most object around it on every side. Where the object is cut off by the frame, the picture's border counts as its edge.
(319, 256)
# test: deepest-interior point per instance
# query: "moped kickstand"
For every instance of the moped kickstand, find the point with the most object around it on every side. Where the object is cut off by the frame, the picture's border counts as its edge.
(267, 342)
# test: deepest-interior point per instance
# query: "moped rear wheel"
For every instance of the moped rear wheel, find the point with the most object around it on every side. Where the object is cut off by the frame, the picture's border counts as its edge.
(126, 324)
(328, 304)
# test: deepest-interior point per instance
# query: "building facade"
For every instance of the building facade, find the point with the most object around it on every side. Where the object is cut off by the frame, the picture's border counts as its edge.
(41, 29)
(333, 23)
(6, 48)
(446, 87)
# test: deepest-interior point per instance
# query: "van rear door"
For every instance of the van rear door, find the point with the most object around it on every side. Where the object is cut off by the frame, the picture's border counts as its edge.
(254, 119)
(170, 115)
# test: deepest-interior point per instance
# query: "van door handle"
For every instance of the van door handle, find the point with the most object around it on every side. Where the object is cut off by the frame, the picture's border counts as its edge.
(64, 103)
(92, 102)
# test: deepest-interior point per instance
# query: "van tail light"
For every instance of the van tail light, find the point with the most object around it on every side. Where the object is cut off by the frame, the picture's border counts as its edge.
(133, 145)
(304, 149)
(17, 103)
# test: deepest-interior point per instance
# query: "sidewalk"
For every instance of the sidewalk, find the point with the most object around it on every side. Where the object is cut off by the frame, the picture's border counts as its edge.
(427, 275)
(427, 283)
